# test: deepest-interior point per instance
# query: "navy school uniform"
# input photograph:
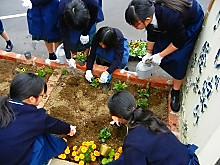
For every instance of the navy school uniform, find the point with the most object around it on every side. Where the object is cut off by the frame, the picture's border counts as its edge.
(182, 31)
(143, 147)
(20, 139)
(71, 37)
(116, 57)
(43, 20)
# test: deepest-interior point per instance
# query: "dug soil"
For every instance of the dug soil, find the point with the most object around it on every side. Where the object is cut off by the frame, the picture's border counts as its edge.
(75, 101)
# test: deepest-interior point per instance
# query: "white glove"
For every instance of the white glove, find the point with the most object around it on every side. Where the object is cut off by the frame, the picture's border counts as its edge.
(104, 77)
(156, 58)
(89, 75)
(72, 63)
(84, 39)
(72, 130)
(27, 4)
(146, 57)
(115, 122)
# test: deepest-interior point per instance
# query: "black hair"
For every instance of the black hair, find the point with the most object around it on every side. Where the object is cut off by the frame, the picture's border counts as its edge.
(107, 36)
(122, 104)
(139, 10)
(76, 15)
(23, 86)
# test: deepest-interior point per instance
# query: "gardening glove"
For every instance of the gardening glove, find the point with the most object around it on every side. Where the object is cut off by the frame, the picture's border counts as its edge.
(72, 63)
(156, 58)
(89, 75)
(146, 57)
(27, 4)
(72, 130)
(84, 39)
(104, 77)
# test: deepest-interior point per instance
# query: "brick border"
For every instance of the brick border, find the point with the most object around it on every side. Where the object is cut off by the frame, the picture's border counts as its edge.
(158, 82)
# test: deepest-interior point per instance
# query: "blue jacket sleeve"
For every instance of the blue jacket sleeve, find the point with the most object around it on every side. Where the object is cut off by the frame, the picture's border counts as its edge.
(39, 2)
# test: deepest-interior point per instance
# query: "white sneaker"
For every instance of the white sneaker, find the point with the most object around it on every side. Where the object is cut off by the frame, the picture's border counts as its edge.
(72, 63)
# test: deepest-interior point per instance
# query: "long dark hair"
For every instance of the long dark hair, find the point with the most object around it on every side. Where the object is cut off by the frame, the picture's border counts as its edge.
(122, 104)
(76, 15)
(107, 36)
(23, 86)
(139, 10)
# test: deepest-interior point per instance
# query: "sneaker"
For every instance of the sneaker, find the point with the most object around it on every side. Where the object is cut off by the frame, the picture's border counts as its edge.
(106, 87)
(52, 56)
(72, 63)
(8, 47)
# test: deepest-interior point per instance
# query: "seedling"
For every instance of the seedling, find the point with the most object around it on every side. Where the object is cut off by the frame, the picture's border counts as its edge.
(142, 102)
(95, 82)
(104, 134)
(120, 86)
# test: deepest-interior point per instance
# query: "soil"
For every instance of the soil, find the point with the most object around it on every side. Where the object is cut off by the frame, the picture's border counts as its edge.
(76, 102)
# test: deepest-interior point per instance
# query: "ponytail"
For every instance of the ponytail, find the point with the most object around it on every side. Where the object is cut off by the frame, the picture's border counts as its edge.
(148, 119)
(6, 114)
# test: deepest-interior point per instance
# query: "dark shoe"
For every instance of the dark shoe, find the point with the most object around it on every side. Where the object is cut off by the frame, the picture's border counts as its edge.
(126, 68)
(52, 56)
(9, 47)
(175, 103)
(106, 87)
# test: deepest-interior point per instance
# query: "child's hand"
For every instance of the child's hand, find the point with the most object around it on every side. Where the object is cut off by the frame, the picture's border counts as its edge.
(72, 130)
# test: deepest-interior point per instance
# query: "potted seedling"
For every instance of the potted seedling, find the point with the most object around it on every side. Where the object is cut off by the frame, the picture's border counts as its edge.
(81, 58)
(143, 92)
(95, 82)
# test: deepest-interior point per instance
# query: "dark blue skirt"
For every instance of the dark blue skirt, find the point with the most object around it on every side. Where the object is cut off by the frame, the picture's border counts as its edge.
(1, 27)
(46, 147)
(43, 21)
(176, 63)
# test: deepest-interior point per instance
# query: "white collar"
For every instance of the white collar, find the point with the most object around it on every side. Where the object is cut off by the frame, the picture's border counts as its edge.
(154, 21)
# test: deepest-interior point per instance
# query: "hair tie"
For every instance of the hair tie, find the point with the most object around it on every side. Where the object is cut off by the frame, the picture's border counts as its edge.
(73, 10)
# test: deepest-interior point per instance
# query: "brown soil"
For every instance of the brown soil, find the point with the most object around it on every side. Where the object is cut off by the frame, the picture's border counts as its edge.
(76, 102)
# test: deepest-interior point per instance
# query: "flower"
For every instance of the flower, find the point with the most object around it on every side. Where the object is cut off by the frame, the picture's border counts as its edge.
(137, 48)
(74, 148)
(67, 150)
(119, 150)
(81, 162)
(76, 158)
(83, 149)
(74, 153)
(81, 156)
(93, 158)
(117, 155)
(62, 156)
(93, 146)
(96, 153)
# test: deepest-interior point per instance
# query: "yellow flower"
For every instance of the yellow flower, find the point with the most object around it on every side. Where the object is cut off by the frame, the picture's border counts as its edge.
(117, 155)
(97, 79)
(62, 156)
(74, 56)
(76, 158)
(81, 156)
(144, 90)
(96, 153)
(91, 154)
(92, 142)
(74, 148)
(74, 153)
(93, 158)
(93, 146)
(120, 150)
(81, 162)
(67, 150)
(83, 149)
(83, 143)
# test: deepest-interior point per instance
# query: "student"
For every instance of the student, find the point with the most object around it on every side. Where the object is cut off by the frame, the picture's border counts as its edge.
(148, 140)
(109, 48)
(25, 130)
(77, 21)
(172, 30)
(3, 33)
(42, 18)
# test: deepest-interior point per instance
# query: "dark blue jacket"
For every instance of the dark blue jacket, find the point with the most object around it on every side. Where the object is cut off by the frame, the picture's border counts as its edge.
(118, 53)
(143, 147)
(173, 23)
(17, 139)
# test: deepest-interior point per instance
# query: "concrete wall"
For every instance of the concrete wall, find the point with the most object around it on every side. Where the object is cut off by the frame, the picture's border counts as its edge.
(200, 115)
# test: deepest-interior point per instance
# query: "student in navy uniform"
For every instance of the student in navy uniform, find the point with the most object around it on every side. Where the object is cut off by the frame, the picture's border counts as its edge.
(42, 18)
(148, 140)
(25, 130)
(172, 30)
(109, 48)
(3, 33)
(77, 21)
